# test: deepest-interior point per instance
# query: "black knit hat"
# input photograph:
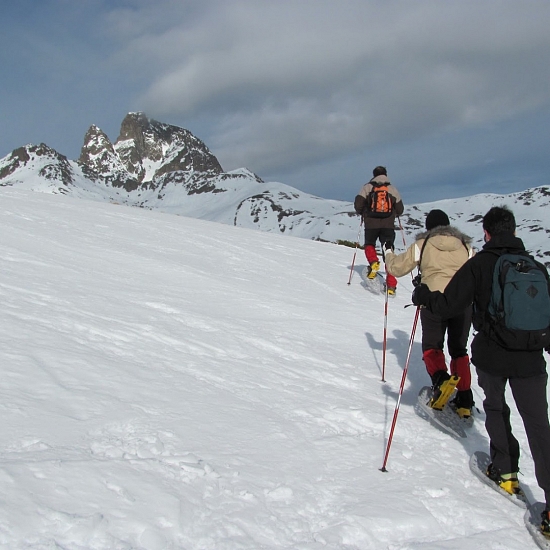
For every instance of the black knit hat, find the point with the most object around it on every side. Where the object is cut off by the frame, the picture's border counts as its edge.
(380, 171)
(436, 218)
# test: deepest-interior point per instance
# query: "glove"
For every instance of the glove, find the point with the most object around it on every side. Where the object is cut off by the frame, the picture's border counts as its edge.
(421, 295)
(388, 247)
(417, 280)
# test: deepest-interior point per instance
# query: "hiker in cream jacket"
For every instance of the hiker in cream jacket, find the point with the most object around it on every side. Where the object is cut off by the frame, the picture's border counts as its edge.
(439, 253)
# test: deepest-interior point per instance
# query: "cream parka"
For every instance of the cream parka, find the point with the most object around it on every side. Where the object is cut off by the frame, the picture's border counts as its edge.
(446, 250)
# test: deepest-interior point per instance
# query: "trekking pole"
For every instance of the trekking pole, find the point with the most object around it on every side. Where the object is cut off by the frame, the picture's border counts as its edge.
(403, 236)
(355, 253)
(396, 412)
(385, 336)
(402, 232)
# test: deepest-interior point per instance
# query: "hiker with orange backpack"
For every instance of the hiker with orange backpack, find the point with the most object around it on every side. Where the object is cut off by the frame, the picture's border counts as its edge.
(379, 203)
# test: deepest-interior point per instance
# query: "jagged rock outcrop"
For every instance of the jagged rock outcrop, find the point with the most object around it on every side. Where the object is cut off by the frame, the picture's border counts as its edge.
(100, 162)
(146, 155)
(148, 149)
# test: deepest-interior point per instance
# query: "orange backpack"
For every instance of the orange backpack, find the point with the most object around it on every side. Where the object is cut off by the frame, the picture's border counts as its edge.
(380, 202)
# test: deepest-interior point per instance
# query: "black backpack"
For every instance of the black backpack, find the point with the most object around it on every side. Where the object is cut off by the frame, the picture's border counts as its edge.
(380, 202)
(519, 307)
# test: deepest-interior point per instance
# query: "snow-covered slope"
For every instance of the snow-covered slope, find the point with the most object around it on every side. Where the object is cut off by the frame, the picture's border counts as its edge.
(171, 383)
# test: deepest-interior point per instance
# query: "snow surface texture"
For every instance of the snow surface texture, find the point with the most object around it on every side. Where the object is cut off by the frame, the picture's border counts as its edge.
(172, 383)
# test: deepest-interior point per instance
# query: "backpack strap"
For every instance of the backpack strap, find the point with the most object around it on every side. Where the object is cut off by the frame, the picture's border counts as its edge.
(418, 279)
(422, 253)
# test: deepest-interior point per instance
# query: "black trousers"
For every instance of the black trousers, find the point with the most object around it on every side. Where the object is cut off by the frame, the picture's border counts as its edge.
(457, 329)
(530, 398)
(383, 234)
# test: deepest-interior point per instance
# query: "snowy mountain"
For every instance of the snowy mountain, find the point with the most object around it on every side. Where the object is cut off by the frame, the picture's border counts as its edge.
(170, 383)
(163, 167)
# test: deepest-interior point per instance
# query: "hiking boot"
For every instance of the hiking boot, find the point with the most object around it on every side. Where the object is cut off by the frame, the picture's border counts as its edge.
(464, 412)
(442, 389)
(463, 403)
(439, 376)
(545, 523)
(391, 291)
(508, 482)
(372, 269)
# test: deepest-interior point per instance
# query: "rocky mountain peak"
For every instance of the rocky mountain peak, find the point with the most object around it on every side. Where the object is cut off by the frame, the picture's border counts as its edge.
(97, 146)
(99, 161)
(49, 164)
(149, 149)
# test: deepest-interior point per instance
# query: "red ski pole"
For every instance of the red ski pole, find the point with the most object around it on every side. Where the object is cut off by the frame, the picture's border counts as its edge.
(385, 336)
(355, 253)
(403, 378)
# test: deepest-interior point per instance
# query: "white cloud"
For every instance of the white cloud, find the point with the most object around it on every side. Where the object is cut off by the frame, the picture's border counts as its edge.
(296, 81)
(288, 82)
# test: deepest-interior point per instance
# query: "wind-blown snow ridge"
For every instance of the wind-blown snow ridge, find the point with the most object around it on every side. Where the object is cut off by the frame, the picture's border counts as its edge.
(170, 383)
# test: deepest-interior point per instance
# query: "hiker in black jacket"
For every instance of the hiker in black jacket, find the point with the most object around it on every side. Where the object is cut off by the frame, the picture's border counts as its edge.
(497, 365)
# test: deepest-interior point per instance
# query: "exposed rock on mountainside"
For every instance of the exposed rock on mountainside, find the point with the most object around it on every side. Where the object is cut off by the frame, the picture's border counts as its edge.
(99, 161)
(149, 149)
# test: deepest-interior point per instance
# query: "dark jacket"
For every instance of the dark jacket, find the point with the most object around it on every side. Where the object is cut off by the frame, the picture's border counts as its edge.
(473, 283)
(360, 204)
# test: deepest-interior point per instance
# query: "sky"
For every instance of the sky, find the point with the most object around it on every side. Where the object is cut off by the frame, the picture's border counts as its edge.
(175, 384)
(452, 97)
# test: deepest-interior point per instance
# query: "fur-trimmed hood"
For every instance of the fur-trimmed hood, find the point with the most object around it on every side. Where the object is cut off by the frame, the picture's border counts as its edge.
(444, 238)
(439, 254)
(446, 230)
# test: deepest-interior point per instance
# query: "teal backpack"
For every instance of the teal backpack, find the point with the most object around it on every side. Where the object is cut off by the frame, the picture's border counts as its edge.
(519, 307)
